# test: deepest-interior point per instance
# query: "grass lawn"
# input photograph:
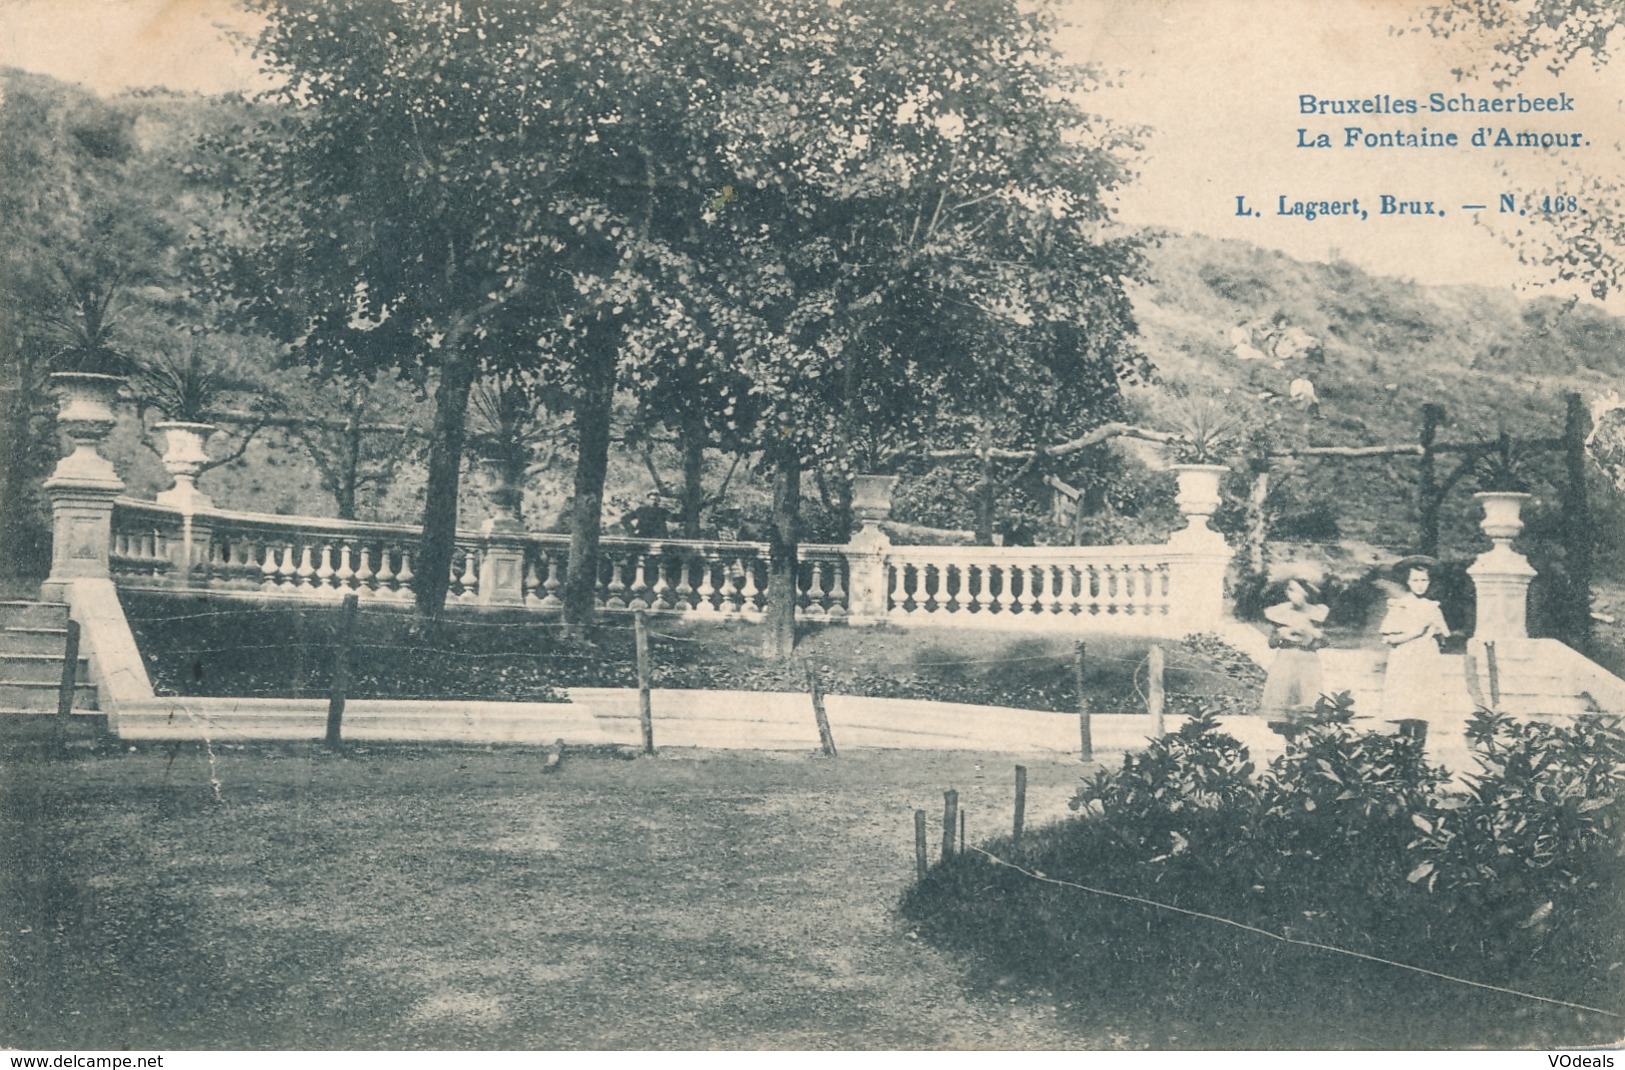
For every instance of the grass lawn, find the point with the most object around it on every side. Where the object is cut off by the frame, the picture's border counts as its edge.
(416, 897)
(198, 646)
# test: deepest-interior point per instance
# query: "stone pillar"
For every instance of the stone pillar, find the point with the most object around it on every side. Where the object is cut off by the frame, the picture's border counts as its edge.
(1198, 555)
(502, 565)
(866, 551)
(83, 485)
(866, 575)
(1501, 575)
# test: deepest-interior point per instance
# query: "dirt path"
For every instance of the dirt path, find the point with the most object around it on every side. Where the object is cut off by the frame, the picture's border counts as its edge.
(417, 898)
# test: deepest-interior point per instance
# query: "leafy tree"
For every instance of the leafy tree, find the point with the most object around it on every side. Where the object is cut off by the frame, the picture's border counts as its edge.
(433, 196)
(904, 196)
(1582, 247)
(86, 271)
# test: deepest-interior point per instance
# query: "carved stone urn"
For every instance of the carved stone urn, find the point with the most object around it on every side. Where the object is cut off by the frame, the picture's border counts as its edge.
(184, 458)
(85, 414)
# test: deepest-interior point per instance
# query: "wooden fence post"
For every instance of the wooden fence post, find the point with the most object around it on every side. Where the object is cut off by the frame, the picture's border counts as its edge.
(646, 720)
(68, 688)
(1086, 735)
(341, 669)
(1020, 820)
(919, 844)
(1154, 692)
(950, 819)
(826, 741)
(1494, 670)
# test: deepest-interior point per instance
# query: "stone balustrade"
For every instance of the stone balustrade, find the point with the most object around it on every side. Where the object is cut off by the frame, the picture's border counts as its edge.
(157, 547)
(1142, 589)
(1134, 589)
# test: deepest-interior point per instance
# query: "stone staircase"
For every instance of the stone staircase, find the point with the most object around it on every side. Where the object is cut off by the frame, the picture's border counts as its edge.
(33, 644)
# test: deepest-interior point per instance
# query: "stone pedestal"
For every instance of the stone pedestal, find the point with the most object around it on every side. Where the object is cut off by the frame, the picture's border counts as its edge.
(1501, 575)
(866, 550)
(502, 565)
(1198, 554)
(866, 574)
(83, 485)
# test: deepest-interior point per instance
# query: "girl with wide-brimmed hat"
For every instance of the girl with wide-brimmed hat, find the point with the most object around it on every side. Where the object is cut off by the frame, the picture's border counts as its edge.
(1295, 679)
(1413, 628)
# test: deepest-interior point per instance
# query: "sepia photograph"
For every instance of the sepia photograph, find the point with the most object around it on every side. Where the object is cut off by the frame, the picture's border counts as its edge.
(812, 525)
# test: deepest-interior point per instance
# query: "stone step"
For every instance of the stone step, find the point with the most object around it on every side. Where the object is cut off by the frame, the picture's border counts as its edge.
(51, 641)
(31, 727)
(33, 615)
(42, 698)
(37, 668)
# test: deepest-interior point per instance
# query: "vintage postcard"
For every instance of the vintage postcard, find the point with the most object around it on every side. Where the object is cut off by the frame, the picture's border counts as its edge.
(811, 525)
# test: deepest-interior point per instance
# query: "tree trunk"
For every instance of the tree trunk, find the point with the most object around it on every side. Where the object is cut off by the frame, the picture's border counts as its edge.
(984, 498)
(783, 543)
(439, 540)
(593, 412)
(692, 443)
(352, 461)
(1428, 496)
(1577, 522)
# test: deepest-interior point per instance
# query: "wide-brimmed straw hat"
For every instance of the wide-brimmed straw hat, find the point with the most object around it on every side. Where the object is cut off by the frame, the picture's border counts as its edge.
(1402, 568)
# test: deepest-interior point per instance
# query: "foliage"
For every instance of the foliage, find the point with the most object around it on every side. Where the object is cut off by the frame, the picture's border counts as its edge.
(1208, 429)
(1504, 468)
(188, 381)
(1349, 839)
(86, 275)
(519, 657)
(1584, 246)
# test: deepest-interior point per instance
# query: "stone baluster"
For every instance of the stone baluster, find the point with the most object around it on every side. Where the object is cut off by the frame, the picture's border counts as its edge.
(403, 575)
(729, 602)
(305, 574)
(324, 571)
(269, 567)
(365, 577)
(816, 576)
(639, 590)
(685, 594)
(707, 600)
(344, 575)
(468, 581)
(664, 596)
(615, 592)
(752, 593)
(837, 593)
(384, 577)
(286, 568)
(550, 581)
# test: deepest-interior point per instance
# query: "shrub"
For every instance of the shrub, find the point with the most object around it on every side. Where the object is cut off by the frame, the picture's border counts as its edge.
(1351, 839)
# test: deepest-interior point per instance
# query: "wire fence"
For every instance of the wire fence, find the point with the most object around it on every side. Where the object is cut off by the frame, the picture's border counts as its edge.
(1266, 934)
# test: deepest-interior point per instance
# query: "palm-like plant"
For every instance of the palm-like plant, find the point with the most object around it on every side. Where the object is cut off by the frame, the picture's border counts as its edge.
(83, 327)
(1208, 431)
(185, 383)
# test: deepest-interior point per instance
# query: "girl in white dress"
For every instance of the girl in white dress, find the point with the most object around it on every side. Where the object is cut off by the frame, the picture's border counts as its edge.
(1413, 627)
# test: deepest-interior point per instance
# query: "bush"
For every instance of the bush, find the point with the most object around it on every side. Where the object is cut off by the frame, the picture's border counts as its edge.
(1350, 840)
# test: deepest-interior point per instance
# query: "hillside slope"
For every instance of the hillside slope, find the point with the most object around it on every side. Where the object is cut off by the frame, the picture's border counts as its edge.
(1491, 358)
